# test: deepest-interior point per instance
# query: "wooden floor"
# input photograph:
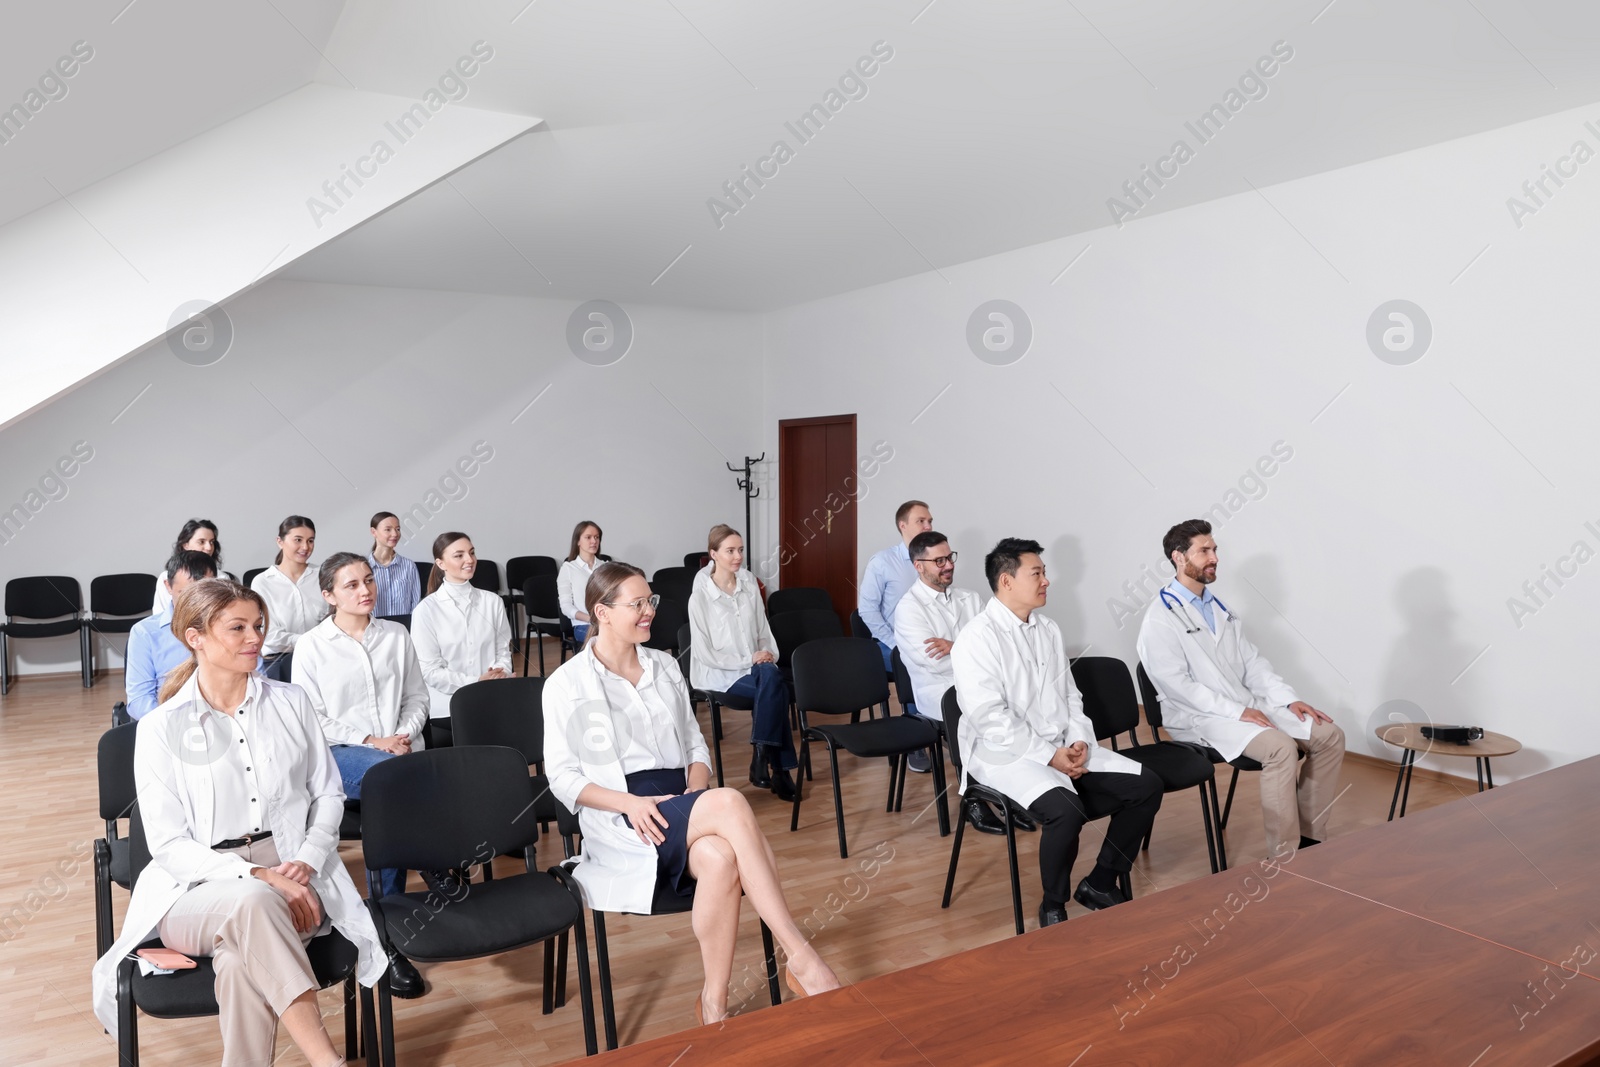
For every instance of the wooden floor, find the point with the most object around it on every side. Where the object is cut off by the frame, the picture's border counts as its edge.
(874, 913)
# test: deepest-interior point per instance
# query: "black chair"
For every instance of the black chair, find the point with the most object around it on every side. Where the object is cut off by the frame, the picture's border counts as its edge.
(55, 598)
(116, 604)
(119, 714)
(676, 583)
(798, 598)
(714, 699)
(250, 576)
(542, 601)
(859, 627)
(117, 795)
(509, 713)
(486, 576)
(1110, 703)
(976, 790)
(424, 570)
(791, 629)
(403, 620)
(192, 993)
(518, 570)
(1152, 715)
(451, 809)
(671, 616)
(696, 561)
(841, 676)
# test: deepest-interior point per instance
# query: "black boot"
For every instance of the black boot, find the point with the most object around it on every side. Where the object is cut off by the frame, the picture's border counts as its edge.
(405, 981)
(782, 783)
(759, 776)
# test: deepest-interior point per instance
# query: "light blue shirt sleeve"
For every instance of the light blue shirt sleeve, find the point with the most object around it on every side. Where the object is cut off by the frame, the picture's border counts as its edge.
(889, 576)
(142, 680)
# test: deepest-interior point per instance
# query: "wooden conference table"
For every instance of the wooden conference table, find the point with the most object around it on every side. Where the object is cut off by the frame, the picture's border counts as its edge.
(1462, 935)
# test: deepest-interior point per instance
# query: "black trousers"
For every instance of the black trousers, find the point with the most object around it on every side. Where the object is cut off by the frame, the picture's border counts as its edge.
(1130, 799)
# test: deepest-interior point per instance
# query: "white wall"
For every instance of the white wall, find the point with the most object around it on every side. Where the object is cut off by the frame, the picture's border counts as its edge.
(1375, 565)
(386, 389)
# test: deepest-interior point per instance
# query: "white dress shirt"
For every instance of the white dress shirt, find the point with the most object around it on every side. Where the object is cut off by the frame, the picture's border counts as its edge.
(1019, 705)
(293, 607)
(599, 729)
(460, 632)
(367, 688)
(571, 582)
(922, 613)
(236, 790)
(726, 631)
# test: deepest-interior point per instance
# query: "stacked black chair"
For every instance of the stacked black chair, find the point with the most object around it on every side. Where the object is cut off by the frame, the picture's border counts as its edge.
(542, 601)
(116, 604)
(673, 583)
(451, 809)
(192, 993)
(841, 676)
(1110, 703)
(798, 598)
(111, 860)
(55, 604)
(518, 570)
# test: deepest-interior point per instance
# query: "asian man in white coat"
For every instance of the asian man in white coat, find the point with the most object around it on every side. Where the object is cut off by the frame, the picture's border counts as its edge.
(1023, 732)
(1217, 690)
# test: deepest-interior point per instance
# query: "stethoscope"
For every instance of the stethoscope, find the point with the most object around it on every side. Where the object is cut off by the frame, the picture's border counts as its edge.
(1172, 604)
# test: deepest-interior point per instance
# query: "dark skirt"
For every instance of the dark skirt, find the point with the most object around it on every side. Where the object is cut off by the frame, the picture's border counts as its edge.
(672, 855)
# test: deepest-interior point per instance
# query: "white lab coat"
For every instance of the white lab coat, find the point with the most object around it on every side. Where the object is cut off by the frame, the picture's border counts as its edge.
(923, 613)
(726, 631)
(584, 737)
(176, 804)
(1206, 680)
(293, 607)
(572, 581)
(460, 631)
(372, 687)
(1019, 705)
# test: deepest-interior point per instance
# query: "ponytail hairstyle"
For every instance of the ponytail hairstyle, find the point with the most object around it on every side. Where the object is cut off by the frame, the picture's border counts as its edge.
(719, 533)
(293, 522)
(602, 588)
(328, 573)
(379, 517)
(192, 527)
(577, 532)
(197, 608)
(440, 543)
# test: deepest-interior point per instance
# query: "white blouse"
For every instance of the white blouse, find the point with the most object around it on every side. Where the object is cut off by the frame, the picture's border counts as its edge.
(726, 631)
(923, 613)
(293, 607)
(460, 632)
(571, 582)
(371, 687)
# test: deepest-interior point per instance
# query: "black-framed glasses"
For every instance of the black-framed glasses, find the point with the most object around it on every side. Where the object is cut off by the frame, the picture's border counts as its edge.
(939, 561)
(652, 602)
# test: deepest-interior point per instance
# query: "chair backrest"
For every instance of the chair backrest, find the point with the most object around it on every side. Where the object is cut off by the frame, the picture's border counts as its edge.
(838, 676)
(424, 569)
(859, 628)
(951, 707)
(798, 598)
(122, 594)
(1108, 697)
(791, 629)
(403, 620)
(138, 845)
(250, 576)
(502, 711)
(674, 582)
(487, 576)
(685, 636)
(447, 807)
(520, 568)
(902, 680)
(696, 561)
(540, 597)
(48, 596)
(671, 616)
(1151, 701)
(115, 760)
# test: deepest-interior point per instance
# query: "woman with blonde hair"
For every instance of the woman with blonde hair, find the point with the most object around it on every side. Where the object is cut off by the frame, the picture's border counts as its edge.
(241, 804)
(624, 751)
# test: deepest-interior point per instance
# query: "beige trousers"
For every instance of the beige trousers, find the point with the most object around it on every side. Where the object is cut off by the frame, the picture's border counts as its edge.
(1295, 799)
(258, 956)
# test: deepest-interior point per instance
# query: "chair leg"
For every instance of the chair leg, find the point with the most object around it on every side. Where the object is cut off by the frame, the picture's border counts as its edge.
(955, 854)
(585, 992)
(800, 786)
(607, 1008)
(838, 799)
(561, 970)
(1227, 809)
(541, 654)
(351, 1042)
(1011, 859)
(549, 976)
(385, 1025)
(941, 788)
(894, 777)
(716, 737)
(527, 639)
(1216, 821)
(1205, 817)
(86, 657)
(5, 665)
(772, 964)
(127, 1017)
(102, 897)
(900, 790)
(369, 1029)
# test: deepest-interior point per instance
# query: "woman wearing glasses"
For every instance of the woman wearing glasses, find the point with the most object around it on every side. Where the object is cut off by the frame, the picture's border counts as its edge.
(623, 750)
(733, 653)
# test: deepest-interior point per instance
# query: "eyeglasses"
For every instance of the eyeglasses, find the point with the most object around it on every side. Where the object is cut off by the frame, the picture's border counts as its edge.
(939, 561)
(638, 606)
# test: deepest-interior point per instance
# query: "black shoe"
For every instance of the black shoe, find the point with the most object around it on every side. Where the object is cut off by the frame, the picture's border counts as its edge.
(759, 776)
(982, 817)
(782, 783)
(1022, 820)
(920, 761)
(1050, 914)
(405, 981)
(1096, 899)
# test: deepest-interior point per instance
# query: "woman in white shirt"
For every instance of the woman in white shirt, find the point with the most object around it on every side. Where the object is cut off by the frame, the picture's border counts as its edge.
(241, 804)
(399, 586)
(197, 535)
(573, 577)
(289, 588)
(460, 631)
(624, 751)
(732, 652)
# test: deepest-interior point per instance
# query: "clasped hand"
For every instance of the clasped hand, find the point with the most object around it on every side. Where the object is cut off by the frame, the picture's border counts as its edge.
(292, 880)
(1073, 760)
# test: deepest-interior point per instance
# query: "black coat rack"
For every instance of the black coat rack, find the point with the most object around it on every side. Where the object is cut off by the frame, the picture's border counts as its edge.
(751, 491)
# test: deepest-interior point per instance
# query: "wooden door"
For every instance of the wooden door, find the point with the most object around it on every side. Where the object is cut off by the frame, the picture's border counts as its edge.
(817, 485)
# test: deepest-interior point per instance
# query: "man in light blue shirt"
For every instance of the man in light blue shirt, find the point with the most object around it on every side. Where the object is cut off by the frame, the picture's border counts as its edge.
(891, 574)
(153, 650)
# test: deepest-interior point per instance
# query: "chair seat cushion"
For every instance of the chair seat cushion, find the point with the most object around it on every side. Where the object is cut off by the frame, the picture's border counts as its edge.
(1179, 766)
(114, 626)
(187, 994)
(1243, 763)
(119, 860)
(40, 629)
(880, 737)
(487, 918)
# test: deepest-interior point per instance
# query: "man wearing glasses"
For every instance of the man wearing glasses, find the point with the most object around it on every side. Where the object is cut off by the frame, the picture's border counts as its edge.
(926, 622)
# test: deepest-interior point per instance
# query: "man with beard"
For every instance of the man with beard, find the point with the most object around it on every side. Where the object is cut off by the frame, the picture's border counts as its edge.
(1218, 691)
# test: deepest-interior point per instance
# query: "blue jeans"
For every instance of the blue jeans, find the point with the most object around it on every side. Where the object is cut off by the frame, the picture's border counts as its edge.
(888, 652)
(765, 692)
(580, 632)
(354, 761)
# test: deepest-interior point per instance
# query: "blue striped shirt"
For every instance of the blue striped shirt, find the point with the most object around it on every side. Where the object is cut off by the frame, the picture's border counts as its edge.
(399, 585)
